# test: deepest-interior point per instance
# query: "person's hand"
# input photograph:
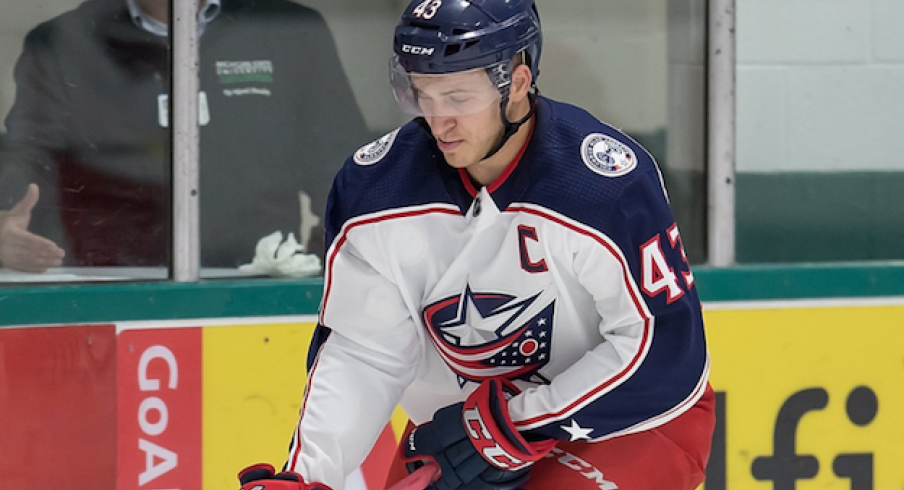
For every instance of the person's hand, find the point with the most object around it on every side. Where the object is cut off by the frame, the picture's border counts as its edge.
(263, 476)
(21, 249)
(475, 444)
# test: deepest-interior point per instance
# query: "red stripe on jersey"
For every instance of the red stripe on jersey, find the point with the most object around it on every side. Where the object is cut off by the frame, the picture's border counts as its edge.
(293, 459)
(647, 332)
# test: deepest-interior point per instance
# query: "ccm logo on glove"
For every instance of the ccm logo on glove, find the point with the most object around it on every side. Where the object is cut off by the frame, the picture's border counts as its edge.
(488, 425)
(484, 442)
(475, 444)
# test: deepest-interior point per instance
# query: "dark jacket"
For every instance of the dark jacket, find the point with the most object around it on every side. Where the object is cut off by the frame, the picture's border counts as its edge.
(86, 127)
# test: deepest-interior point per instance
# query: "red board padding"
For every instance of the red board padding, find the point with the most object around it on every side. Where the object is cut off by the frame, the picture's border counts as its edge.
(58, 407)
(159, 425)
(376, 467)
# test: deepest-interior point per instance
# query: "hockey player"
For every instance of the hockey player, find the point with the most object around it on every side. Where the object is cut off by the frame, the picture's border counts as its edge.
(507, 269)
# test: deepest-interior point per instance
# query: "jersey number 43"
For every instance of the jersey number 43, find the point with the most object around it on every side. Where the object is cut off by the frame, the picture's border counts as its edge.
(657, 275)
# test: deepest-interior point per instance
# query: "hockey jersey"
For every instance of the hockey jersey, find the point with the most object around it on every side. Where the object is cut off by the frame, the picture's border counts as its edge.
(566, 276)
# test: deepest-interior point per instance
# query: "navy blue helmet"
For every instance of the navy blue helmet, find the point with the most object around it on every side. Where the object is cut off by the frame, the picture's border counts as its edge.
(445, 36)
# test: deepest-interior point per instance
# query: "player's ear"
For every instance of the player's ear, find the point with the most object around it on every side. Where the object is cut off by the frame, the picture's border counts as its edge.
(521, 82)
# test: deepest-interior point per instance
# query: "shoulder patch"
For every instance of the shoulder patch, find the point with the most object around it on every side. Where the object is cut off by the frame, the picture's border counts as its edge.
(372, 153)
(607, 156)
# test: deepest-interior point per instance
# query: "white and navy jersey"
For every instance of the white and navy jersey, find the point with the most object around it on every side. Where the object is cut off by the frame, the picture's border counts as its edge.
(566, 276)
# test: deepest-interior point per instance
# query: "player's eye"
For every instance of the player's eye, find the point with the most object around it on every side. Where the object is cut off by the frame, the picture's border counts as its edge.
(422, 99)
(460, 99)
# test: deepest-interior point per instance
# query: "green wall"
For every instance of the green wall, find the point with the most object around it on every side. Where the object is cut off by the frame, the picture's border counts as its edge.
(814, 217)
(93, 303)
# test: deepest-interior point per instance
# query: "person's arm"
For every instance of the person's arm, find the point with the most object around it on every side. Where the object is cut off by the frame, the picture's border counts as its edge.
(350, 395)
(653, 363)
(362, 359)
(35, 135)
(19, 248)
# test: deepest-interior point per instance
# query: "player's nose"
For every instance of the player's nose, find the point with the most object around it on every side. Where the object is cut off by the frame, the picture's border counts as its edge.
(441, 124)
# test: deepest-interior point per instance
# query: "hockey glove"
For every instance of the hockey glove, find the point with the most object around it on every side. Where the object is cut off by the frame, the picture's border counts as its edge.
(262, 476)
(475, 444)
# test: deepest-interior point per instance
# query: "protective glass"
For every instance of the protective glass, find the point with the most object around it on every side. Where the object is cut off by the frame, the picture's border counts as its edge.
(444, 95)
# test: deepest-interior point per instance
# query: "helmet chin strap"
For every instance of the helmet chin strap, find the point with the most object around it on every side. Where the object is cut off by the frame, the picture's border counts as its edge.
(510, 128)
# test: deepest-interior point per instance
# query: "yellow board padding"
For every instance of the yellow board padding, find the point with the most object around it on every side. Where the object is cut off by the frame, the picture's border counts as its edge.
(399, 422)
(844, 355)
(254, 379)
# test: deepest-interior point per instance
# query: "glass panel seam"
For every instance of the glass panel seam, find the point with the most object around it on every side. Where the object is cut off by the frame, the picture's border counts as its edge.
(721, 150)
(184, 108)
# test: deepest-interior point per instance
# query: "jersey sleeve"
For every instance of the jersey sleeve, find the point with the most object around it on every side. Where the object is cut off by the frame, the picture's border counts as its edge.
(360, 369)
(652, 363)
(35, 123)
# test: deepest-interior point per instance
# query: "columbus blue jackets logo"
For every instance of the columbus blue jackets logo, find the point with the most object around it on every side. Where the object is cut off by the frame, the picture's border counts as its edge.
(607, 156)
(372, 153)
(484, 335)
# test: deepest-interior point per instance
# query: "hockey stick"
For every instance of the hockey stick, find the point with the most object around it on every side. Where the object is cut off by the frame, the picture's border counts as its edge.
(420, 479)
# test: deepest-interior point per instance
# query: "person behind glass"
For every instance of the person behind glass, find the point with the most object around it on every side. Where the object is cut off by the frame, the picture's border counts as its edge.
(506, 268)
(85, 174)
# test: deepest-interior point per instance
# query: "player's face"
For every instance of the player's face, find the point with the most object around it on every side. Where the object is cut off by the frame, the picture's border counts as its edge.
(463, 113)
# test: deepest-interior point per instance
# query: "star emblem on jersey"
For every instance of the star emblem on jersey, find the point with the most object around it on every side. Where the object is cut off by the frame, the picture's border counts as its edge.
(482, 335)
(607, 156)
(576, 431)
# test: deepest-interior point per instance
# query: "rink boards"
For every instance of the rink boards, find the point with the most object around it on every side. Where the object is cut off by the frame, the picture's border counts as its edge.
(811, 396)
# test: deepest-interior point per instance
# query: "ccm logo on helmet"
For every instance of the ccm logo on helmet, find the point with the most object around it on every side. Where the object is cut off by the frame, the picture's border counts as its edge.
(408, 48)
